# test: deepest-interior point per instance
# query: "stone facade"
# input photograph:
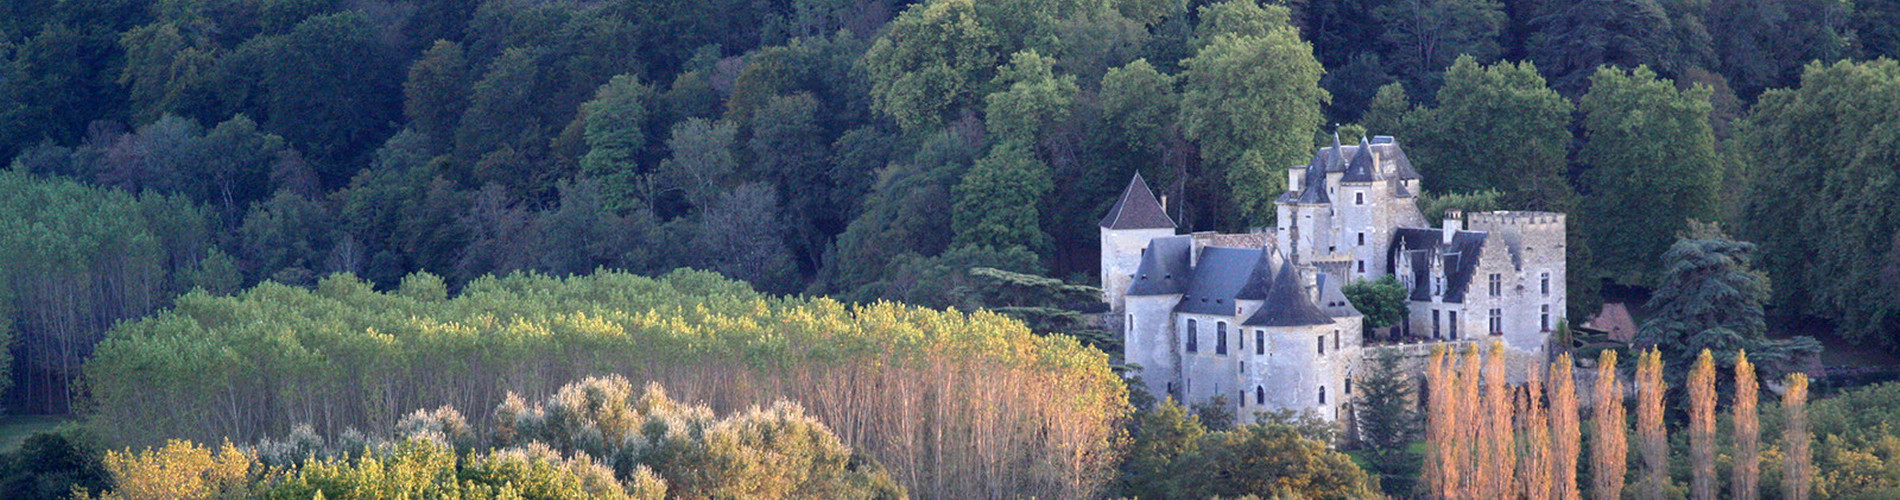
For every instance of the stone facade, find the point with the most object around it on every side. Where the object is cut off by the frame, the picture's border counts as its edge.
(1260, 318)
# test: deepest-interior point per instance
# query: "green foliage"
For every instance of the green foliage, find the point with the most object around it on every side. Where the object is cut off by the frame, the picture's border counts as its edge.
(700, 164)
(1171, 455)
(1160, 437)
(1653, 168)
(1427, 36)
(1573, 41)
(1388, 423)
(933, 61)
(616, 132)
(997, 200)
(1495, 127)
(49, 466)
(1709, 297)
(1252, 100)
(1140, 103)
(1857, 443)
(1032, 98)
(360, 359)
(1821, 204)
(1382, 301)
(1434, 205)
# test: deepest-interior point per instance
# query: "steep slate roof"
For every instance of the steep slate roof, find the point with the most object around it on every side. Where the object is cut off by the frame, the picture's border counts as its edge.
(1361, 169)
(1459, 259)
(1261, 279)
(1219, 276)
(1287, 304)
(1164, 267)
(1137, 209)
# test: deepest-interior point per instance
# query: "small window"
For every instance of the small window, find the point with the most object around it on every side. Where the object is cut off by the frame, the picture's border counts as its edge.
(1543, 320)
(1546, 284)
(1451, 318)
(1260, 342)
(1193, 343)
(1322, 344)
(1348, 386)
(1322, 394)
(1358, 198)
(1243, 367)
(1497, 321)
(1220, 337)
(1335, 340)
(1243, 397)
(1259, 395)
(1437, 332)
(1362, 239)
(1497, 284)
(1362, 266)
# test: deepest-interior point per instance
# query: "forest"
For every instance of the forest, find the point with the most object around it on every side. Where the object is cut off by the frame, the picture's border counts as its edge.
(229, 193)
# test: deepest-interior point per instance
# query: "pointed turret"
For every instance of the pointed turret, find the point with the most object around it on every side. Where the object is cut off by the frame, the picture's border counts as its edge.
(1286, 303)
(1363, 167)
(1137, 209)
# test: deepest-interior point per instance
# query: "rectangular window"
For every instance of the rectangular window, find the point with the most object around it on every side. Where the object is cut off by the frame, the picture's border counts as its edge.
(1322, 344)
(1497, 321)
(1243, 367)
(1193, 344)
(1220, 337)
(1436, 332)
(1452, 319)
(1362, 239)
(1362, 266)
(1546, 284)
(1543, 319)
(1335, 340)
(1497, 284)
(1358, 198)
(1260, 342)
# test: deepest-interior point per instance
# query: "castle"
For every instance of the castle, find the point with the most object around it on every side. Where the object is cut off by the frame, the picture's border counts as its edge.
(1260, 317)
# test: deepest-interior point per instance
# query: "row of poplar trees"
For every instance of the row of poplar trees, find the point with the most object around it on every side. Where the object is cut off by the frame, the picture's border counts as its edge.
(1490, 439)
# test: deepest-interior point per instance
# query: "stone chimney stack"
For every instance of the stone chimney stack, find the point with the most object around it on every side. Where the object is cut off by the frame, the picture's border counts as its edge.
(1454, 221)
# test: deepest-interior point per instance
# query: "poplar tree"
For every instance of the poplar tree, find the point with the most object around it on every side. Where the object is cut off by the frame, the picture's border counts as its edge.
(1609, 444)
(1471, 426)
(1566, 446)
(1535, 468)
(1702, 427)
(1442, 467)
(1499, 456)
(1649, 424)
(1747, 433)
(1797, 469)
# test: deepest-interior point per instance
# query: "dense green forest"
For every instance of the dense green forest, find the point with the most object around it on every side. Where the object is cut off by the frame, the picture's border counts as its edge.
(881, 149)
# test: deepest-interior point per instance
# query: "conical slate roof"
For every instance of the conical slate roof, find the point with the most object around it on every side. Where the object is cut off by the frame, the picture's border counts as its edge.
(1361, 169)
(1137, 209)
(1286, 303)
(1261, 279)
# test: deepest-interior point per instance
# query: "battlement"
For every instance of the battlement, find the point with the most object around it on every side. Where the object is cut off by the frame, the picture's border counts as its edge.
(1481, 221)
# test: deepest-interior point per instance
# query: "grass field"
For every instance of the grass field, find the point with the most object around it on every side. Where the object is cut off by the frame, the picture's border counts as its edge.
(16, 428)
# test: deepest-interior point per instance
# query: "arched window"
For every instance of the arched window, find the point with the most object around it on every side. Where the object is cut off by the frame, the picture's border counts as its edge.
(1322, 394)
(1193, 343)
(1220, 337)
(1259, 395)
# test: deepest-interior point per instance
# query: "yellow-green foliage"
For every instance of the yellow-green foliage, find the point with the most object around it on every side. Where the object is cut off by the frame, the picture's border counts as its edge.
(954, 404)
(181, 470)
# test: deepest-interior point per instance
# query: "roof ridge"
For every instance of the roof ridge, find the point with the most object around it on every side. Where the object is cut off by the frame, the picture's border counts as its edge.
(1137, 208)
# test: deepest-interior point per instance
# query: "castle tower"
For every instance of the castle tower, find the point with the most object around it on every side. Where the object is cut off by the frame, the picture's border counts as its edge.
(1136, 219)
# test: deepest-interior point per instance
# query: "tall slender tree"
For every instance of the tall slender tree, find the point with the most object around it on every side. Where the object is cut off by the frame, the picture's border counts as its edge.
(1797, 468)
(1650, 389)
(1702, 427)
(1534, 469)
(1498, 454)
(1566, 436)
(1609, 444)
(1742, 482)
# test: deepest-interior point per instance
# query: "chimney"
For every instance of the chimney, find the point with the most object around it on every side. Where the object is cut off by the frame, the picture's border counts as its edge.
(1454, 221)
(1164, 203)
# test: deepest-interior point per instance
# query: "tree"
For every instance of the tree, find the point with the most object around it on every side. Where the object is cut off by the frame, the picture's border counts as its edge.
(1160, 437)
(616, 135)
(1702, 427)
(1032, 98)
(1426, 36)
(1710, 298)
(1141, 104)
(997, 200)
(738, 236)
(1385, 115)
(1766, 43)
(1435, 205)
(932, 62)
(332, 88)
(699, 166)
(1652, 168)
(1649, 425)
(1505, 103)
(1798, 464)
(1609, 440)
(1815, 187)
(1382, 301)
(1564, 429)
(167, 74)
(1575, 39)
(1388, 423)
(1252, 101)
(1743, 481)
(1267, 460)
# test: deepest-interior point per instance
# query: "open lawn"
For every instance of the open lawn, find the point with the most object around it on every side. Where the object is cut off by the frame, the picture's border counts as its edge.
(14, 429)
